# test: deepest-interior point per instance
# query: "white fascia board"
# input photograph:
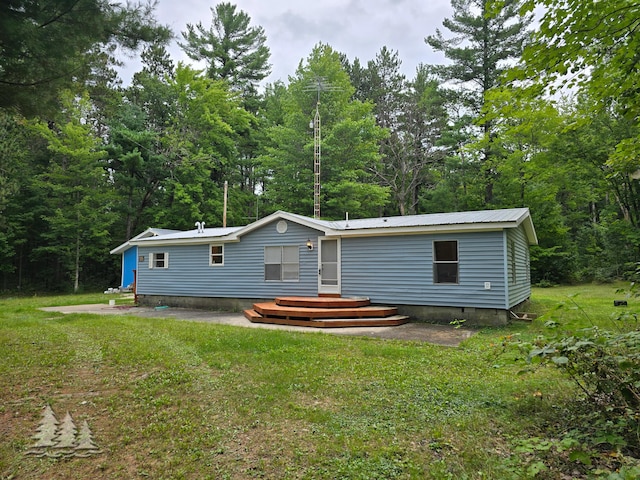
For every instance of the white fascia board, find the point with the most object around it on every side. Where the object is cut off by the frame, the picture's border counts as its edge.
(149, 232)
(120, 248)
(281, 215)
(430, 229)
(529, 229)
(202, 240)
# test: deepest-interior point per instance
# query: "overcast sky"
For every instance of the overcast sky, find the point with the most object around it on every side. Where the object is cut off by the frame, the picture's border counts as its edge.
(357, 28)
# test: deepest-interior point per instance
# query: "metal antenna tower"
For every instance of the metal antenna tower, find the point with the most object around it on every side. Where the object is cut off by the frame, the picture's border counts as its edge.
(319, 85)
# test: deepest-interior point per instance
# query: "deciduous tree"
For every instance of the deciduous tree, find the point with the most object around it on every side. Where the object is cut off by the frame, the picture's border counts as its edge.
(349, 144)
(79, 209)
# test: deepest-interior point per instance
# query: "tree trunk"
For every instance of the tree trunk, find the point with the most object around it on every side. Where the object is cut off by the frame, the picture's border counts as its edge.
(76, 280)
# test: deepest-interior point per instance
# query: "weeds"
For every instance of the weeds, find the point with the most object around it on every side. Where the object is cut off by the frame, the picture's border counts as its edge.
(169, 399)
(602, 358)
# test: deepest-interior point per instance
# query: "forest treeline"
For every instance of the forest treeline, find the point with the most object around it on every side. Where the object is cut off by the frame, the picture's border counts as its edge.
(541, 114)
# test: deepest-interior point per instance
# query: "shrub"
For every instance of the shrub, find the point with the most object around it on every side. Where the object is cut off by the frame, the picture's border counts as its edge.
(605, 364)
(606, 367)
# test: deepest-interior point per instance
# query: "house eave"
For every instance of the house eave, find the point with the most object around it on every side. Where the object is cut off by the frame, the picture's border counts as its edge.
(424, 230)
(186, 241)
(281, 215)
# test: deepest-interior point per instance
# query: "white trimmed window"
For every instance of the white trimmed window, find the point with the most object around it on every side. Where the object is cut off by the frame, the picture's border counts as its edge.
(159, 260)
(445, 261)
(282, 263)
(216, 255)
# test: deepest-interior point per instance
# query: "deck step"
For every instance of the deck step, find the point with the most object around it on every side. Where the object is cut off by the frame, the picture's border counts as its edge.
(325, 312)
(252, 315)
(390, 321)
(271, 309)
(323, 302)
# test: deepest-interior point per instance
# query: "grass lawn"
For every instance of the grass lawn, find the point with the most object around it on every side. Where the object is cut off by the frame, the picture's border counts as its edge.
(171, 399)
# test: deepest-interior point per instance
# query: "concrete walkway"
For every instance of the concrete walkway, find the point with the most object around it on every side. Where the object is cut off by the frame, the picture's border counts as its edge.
(419, 332)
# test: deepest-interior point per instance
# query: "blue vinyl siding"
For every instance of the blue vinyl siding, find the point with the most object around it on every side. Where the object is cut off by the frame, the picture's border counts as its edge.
(520, 289)
(396, 270)
(242, 275)
(399, 270)
(129, 264)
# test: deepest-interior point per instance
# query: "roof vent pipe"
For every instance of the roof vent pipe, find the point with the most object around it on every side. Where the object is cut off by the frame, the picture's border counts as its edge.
(347, 219)
(200, 227)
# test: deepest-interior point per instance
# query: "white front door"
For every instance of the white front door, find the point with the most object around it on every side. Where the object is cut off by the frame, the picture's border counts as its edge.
(329, 265)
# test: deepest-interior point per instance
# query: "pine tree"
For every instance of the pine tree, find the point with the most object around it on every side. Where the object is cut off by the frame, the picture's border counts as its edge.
(85, 444)
(46, 433)
(66, 438)
(233, 50)
(48, 45)
(485, 41)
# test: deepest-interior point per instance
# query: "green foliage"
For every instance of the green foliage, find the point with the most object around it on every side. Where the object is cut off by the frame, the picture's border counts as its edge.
(414, 115)
(603, 360)
(137, 164)
(349, 144)
(78, 212)
(483, 40)
(13, 175)
(199, 146)
(47, 45)
(390, 144)
(590, 47)
(232, 50)
(588, 44)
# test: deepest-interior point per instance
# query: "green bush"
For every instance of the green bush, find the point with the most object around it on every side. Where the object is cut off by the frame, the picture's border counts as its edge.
(604, 362)
(606, 367)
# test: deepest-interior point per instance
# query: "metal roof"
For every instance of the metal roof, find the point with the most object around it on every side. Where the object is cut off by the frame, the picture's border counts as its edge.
(480, 220)
(149, 232)
(433, 219)
(207, 233)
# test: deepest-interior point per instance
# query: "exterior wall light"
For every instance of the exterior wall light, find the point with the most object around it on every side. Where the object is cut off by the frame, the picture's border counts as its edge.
(309, 244)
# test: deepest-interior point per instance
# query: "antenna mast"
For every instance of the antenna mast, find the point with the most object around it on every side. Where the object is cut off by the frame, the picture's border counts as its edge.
(317, 155)
(319, 84)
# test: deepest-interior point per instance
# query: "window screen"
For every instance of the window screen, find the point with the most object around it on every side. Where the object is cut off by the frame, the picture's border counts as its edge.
(445, 261)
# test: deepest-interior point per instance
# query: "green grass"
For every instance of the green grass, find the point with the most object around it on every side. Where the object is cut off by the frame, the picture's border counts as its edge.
(169, 399)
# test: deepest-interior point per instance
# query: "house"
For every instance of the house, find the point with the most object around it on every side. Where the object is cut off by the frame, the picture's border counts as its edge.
(129, 252)
(471, 266)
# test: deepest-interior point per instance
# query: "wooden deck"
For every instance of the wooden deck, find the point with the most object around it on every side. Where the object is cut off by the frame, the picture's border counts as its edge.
(324, 312)
(323, 302)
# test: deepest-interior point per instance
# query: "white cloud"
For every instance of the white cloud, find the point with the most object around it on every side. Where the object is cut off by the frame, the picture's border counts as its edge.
(357, 28)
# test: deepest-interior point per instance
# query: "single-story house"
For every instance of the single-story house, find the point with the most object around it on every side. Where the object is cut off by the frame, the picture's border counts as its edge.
(471, 266)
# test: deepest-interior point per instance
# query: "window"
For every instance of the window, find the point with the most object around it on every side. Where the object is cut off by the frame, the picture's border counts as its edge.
(159, 260)
(445, 262)
(281, 263)
(217, 255)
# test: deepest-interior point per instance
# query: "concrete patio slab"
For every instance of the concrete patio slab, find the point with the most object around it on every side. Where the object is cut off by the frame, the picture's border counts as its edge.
(420, 332)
